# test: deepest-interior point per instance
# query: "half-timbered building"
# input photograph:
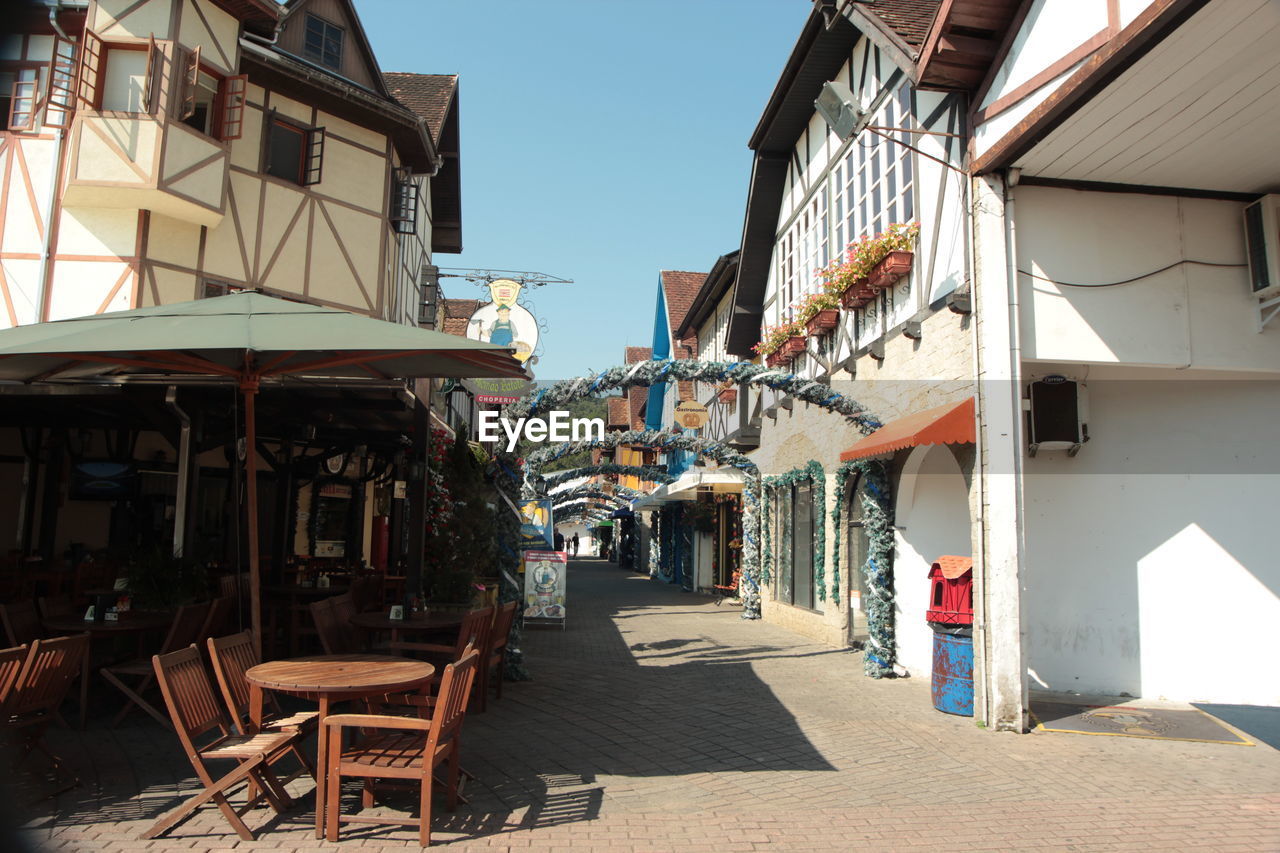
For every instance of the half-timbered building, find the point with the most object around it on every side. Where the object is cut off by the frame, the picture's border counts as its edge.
(159, 151)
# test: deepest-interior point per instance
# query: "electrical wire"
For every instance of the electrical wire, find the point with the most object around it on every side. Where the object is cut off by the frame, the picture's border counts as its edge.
(1135, 278)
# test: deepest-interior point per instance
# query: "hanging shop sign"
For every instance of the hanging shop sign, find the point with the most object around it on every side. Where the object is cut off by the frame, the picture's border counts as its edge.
(544, 585)
(502, 391)
(504, 322)
(535, 527)
(691, 415)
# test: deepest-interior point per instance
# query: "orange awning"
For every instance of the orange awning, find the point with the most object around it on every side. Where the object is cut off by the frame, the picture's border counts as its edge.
(949, 424)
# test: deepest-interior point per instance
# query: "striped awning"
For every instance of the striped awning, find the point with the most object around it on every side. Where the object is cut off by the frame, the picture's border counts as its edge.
(949, 424)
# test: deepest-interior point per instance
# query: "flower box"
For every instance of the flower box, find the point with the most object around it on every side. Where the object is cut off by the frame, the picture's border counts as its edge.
(822, 322)
(774, 359)
(857, 294)
(728, 395)
(795, 344)
(893, 267)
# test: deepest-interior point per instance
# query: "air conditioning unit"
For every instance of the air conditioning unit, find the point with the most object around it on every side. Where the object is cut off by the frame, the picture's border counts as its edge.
(1057, 418)
(1262, 244)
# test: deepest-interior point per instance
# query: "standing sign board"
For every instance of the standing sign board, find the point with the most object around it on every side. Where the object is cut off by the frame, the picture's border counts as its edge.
(544, 586)
(536, 527)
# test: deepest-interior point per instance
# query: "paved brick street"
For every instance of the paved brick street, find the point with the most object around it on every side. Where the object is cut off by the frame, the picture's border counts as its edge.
(658, 721)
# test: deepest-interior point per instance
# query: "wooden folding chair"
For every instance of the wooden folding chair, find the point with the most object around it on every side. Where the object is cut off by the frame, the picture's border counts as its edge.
(11, 661)
(496, 657)
(333, 626)
(36, 692)
(195, 713)
(232, 657)
(183, 632)
(21, 622)
(216, 621)
(406, 748)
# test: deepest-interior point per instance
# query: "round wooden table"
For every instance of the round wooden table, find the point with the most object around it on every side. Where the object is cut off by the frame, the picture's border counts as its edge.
(423, 623)
(130, 622)
(331, 678)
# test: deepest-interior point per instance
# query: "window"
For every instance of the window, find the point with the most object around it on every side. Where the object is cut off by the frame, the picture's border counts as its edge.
(18, 90)
(120, 78)
(211, 103)
(213, 288)
(61, 101)
(404, 201)
(867, 189)
(293, 153)
(794, 511)
(323, 42)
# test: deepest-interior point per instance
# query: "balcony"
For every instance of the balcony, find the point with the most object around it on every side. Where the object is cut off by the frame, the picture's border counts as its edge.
(134, 161)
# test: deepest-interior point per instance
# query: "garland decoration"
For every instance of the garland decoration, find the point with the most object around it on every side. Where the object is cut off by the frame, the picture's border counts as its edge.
(619, 493)
(650, 473)
(877, 522)
(505, 475)
(812, 473)
(660, 440)
(648, 373)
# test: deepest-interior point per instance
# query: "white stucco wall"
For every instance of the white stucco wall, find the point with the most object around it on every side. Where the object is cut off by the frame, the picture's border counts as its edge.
(1190, 315)
(1151, 564)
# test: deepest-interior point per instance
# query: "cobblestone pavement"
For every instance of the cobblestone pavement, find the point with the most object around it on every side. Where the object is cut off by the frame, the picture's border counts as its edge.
(659, 721)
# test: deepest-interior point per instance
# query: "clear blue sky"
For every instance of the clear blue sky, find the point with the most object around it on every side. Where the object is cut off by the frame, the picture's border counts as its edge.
(602, 141)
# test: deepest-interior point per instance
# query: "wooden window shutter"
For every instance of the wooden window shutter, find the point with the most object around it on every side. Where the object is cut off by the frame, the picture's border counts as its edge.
(90, 67)
(190, 80)
(61, 101)
(234, 90)
(313, 157)
(154, 60)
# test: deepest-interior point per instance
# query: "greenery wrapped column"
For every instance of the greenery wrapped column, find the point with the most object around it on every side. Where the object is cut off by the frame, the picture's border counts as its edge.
(877, 521)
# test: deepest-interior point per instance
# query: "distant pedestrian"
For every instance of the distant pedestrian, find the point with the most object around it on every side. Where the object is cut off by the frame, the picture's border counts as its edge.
(575, 544)
(559, 540)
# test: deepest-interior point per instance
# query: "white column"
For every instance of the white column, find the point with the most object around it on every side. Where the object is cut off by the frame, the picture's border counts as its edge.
(1000, 681)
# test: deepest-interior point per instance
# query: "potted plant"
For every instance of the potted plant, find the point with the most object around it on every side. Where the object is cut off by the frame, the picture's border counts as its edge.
(820, 313)
(858, 294)
(727, 395)
(773, 340)
(894, 254)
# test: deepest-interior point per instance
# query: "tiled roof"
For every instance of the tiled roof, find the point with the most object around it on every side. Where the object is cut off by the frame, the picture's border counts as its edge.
(634, 354)
(636, 398)
(428, 95)
(681, 288)
(618, 412)
(455, 315)
(910, 19)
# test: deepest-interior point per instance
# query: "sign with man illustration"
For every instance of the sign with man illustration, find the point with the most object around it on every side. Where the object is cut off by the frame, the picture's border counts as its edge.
(503, 321)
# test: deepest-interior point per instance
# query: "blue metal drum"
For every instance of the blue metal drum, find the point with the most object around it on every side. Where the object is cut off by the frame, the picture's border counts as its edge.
(953, 669)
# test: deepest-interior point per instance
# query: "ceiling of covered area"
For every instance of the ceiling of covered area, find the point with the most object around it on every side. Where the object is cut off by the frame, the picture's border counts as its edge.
(1201, 110)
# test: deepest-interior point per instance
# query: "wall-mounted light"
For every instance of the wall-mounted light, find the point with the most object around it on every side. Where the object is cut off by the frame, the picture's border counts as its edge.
(838, 107)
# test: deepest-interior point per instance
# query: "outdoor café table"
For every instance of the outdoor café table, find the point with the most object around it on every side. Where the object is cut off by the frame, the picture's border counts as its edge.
(329, 679)
(423, 623)
(130, 622)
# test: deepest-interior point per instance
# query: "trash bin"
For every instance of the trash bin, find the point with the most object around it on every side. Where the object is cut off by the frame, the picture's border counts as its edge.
(950, 615)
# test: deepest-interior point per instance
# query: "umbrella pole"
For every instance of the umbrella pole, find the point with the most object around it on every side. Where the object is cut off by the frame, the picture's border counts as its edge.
(249, 387)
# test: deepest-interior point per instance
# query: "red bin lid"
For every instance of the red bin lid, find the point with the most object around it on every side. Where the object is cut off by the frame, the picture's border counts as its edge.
(951, 567)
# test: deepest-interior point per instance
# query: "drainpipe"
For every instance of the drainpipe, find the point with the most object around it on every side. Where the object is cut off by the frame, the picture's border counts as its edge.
(55, 172)
(184, 469)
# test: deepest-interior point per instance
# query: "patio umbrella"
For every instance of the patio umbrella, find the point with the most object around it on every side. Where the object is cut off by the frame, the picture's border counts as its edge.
(245, 338)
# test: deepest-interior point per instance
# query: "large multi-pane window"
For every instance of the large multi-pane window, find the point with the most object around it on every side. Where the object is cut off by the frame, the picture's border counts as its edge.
(868, 186)
(793, 515)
